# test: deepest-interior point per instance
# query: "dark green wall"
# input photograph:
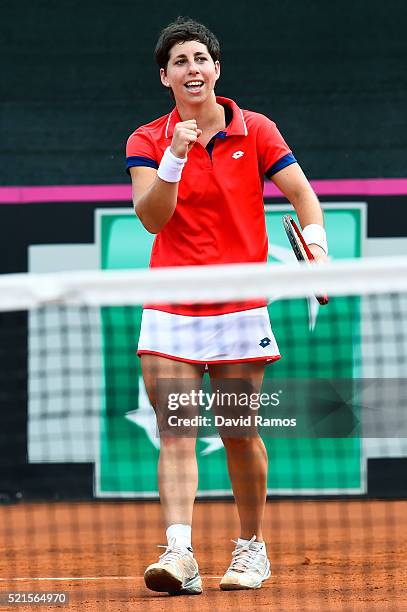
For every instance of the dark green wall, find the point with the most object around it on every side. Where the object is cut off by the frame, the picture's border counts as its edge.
(78, 77)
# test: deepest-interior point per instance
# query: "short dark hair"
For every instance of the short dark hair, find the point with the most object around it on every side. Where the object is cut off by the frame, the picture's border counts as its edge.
(182, 30)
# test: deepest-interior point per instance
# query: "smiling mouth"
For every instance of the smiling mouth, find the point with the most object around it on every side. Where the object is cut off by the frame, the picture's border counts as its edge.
(194, 85)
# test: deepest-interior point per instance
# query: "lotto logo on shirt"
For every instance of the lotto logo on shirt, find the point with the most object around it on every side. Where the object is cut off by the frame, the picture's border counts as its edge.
(237, 154)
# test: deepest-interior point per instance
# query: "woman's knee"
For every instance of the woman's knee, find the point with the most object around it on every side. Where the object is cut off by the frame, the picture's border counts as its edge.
(184, 447)
(242, 444)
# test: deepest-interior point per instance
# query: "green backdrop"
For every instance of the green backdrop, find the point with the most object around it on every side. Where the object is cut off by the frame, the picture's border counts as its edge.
(128, 441)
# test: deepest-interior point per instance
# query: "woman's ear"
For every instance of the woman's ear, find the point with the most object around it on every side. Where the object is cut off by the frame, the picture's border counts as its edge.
(217, 69)
(163, 78)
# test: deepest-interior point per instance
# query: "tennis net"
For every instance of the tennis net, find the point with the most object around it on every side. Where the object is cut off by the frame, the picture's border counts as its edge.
(80, 440)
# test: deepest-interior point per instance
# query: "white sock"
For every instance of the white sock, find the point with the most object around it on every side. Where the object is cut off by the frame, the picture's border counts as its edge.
(181, 533)
(261, 546)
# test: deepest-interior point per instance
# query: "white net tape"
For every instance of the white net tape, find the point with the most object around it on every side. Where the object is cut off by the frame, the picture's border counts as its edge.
(204, 283)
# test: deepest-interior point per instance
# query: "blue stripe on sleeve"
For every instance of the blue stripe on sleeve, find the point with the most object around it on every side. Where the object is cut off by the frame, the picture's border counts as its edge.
(283, 162)
(138, 160)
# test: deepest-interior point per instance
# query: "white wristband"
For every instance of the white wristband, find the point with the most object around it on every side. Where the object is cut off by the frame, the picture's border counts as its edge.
(170, 168)
(315, 234)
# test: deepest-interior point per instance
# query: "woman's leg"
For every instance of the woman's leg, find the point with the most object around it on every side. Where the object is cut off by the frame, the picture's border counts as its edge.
(177, 465)
(246, 456)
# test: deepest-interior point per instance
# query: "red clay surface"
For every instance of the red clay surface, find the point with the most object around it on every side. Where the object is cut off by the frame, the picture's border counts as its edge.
(325, 555)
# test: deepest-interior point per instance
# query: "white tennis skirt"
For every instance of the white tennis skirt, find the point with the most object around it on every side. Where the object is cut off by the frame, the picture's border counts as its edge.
(227, 338)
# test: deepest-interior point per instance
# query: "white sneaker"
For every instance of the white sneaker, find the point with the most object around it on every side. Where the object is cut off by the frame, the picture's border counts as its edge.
(249, 568)
(176, 572)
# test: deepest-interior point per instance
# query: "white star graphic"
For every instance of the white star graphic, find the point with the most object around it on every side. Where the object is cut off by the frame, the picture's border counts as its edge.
(144, 417)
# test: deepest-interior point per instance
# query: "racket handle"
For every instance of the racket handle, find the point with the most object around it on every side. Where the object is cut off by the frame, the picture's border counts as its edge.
(322, 299)
(291, 227)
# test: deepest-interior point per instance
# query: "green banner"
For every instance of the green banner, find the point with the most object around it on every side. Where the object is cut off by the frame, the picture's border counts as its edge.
(315, 342)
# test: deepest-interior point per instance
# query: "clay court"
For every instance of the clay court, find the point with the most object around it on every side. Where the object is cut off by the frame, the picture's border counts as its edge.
(325, 555)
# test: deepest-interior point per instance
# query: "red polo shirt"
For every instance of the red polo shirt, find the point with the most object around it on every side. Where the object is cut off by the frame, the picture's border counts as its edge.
(219, 217)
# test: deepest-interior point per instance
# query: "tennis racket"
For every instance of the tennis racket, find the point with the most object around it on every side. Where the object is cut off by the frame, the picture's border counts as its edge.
(300, 247)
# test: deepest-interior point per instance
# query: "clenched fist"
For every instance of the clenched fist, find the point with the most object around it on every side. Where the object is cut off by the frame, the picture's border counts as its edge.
(186, 133)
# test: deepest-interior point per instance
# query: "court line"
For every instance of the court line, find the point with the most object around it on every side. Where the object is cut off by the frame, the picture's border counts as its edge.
(73, 578)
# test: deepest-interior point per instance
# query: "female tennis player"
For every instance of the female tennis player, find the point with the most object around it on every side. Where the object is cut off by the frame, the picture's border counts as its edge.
(197, 175)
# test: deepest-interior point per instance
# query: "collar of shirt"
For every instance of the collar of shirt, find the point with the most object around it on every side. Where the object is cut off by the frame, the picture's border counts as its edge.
(237, 127)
